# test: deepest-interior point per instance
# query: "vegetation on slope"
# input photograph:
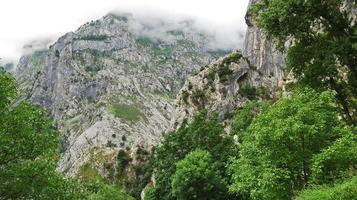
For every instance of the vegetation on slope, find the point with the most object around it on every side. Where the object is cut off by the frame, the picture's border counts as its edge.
(28, 154)
(300, 147)
(284, 148)
(126, 112)
(323, 54)
(173, 159)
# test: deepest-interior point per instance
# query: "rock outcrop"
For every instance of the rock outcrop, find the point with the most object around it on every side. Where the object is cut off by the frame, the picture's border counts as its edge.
(260, 51)
(110, 85)
(226, 84)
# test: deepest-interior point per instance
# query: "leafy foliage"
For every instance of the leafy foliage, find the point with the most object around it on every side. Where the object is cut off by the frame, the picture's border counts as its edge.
(123, 160)
(28, 150)
(224, 72)
(337, 161)
(92, 70)
(205, 132)
(36, 179)
(196, 177)
(323, 52)
(245, 116)
(28, 154)
(280, 145)
(7, 89)
(346, 190)
(99, 190)
(248, 91)
(232, 58)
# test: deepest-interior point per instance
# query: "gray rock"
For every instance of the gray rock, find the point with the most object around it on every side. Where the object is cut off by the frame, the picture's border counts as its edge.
(261, 69)
(109, 80)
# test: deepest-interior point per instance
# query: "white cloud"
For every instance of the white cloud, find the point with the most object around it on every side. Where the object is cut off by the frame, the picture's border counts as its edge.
(26, 20)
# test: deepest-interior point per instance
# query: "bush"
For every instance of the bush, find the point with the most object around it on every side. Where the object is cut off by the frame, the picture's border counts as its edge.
(224, 72)
(248, 91)
(197, 177)
(92, 70)
(232, 58)
(279, 147)
(123, 159)
(346, 190)
(205, 132)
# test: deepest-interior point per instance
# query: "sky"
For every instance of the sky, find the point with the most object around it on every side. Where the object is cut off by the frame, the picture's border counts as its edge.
(25, 21)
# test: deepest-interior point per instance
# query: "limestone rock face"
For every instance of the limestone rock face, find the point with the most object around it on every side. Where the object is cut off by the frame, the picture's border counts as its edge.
(222, 87)
(110, 85)
(260, 51)
(226, 84)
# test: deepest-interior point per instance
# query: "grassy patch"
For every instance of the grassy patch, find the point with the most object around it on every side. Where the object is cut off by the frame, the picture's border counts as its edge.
(126, 112)
(99, 156)
(87, 173)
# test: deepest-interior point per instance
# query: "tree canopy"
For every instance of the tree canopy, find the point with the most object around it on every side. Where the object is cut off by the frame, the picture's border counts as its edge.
(206, 133)
(197, 176)
(28, 154)
(320, 39)
(289, 143)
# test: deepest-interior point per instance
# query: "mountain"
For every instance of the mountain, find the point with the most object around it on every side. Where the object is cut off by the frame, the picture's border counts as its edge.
(111, 84)
(226, 84)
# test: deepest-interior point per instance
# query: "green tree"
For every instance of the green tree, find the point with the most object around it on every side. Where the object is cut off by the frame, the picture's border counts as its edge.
(7, 89)
(28, 145)
(322, 39)
(26, 133)
(337, 161)
(28, 154)
(278, 148)
(245, 115)
(198, 177)
(36, 179)
(205, 132)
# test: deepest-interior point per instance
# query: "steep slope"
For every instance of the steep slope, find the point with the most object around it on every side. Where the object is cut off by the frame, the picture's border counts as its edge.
(260, 51)
(110, 86)
(224, 85)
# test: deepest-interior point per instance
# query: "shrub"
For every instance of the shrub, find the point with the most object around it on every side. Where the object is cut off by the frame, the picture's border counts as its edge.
(232, 58)
(346, 190)
(279, 147)
(248, 91)
(205, 132)
(197, 177)
(123, 159)
(92, 70)
(224, 72)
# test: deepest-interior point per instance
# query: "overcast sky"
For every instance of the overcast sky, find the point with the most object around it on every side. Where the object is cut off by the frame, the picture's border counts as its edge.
(25, 20)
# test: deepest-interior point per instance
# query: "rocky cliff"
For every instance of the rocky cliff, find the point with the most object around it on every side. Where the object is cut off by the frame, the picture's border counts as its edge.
(110, 85)
(226, 84)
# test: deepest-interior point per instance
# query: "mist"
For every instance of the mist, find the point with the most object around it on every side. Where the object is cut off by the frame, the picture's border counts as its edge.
(159, 25)
(47, 20)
